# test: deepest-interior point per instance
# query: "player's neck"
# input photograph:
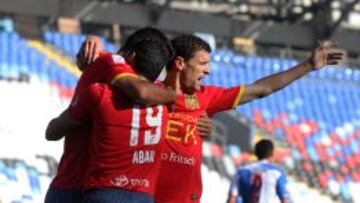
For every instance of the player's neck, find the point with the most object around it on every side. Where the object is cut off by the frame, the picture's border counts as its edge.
(172, 80)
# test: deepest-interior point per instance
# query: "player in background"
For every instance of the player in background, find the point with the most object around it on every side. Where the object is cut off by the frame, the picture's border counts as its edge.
(183, 148)
(145, 52)
(261, 181)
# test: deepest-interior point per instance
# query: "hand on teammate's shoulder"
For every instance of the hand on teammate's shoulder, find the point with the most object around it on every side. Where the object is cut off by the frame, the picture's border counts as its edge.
(89, 51)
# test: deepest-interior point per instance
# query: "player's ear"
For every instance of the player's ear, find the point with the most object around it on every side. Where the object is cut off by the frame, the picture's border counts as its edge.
(179, 63)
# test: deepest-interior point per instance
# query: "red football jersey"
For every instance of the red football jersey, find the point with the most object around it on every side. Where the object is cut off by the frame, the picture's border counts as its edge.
(74, 159)
(180, 172)
(126, 140)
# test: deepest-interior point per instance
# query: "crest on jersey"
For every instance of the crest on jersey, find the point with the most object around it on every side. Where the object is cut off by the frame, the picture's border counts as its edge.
(191, 101)
(117, 59)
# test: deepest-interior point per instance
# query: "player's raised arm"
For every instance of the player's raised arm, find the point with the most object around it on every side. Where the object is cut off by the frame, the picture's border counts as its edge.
(321, 56)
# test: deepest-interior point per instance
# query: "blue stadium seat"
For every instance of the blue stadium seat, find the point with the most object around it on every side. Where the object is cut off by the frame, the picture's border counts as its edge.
(34, 181)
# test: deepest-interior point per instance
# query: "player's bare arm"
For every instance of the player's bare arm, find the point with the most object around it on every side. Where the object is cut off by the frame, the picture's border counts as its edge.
(204, 125)
(144, 92)
(321, 56)
(61, 126)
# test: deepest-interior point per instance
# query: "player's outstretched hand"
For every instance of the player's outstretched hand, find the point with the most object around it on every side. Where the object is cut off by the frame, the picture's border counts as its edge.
(204, 126)
(327, 53)
(89, 51)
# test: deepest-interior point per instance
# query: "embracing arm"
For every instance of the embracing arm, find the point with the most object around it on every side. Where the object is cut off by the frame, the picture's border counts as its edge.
(61, 126)
(144, 92)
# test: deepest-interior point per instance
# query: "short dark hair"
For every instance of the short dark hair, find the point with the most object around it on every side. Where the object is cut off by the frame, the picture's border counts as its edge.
(264, 149)
(150, 58)
(153, 51)
(187, 45)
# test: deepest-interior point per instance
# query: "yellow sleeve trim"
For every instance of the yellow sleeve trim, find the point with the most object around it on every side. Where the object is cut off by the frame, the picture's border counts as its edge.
(122, 75)
(239, 96)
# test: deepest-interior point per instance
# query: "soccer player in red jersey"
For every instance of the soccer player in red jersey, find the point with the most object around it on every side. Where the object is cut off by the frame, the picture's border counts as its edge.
(147, 50)
(124, 148)
(182, 153)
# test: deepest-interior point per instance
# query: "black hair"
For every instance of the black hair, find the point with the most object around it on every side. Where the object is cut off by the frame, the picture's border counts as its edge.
(150, 58)
(152, 50)
(186, 46)
(264, 149)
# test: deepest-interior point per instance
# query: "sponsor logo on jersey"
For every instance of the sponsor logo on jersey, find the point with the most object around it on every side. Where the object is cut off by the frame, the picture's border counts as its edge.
(122, 181)
(174, 132)
(178, 158)
(140, 182)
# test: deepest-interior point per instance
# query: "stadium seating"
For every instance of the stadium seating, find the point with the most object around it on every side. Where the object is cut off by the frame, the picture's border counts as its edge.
(20, 182)
(70, 43)
(33, 90)
(19, 58)
(7, 25)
